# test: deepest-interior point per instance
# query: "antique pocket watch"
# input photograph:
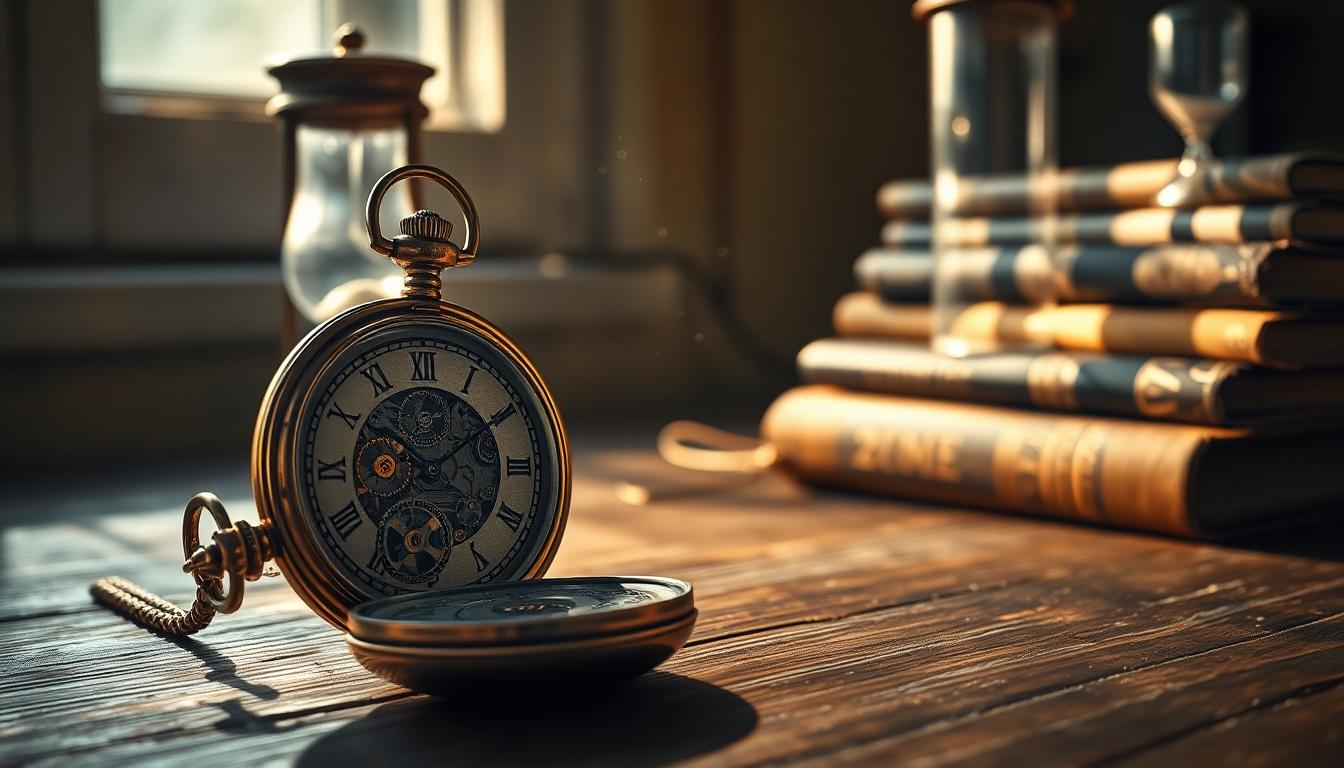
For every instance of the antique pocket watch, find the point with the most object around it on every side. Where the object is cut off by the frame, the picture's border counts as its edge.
(412, 476)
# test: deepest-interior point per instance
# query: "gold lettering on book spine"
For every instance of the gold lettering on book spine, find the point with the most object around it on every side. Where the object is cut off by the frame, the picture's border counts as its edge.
(1017, 467)
(948, 376)
(1133, 473)
(925, 454)
(1085, 473)
(1054, 470)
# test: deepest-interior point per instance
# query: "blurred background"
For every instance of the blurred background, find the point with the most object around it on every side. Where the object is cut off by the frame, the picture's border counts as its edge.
(672, 193)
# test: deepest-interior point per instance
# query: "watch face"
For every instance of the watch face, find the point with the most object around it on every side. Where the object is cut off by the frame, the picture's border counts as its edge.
(427, 460)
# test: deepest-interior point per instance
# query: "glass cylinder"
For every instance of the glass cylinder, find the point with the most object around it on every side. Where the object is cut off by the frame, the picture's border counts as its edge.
(992, 130)
(326, 260)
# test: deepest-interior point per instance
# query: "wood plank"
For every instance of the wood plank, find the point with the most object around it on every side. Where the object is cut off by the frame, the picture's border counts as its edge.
(271, 649)
(282, 623)
(896, 670)
(1127, 714)
(833, 628)
(278, 619)
(48, 568)
(1305, 730)
(832, 686)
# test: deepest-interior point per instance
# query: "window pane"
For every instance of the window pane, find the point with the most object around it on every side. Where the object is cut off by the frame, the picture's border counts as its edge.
(154, 52)
(216, 47)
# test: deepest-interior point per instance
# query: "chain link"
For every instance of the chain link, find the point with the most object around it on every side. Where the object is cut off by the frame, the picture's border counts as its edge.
(149, 610)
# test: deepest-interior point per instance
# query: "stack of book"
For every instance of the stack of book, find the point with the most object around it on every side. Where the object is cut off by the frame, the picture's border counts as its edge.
(1190, 379)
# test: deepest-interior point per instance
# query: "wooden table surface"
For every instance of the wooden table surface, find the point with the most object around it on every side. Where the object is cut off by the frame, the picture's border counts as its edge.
(833, 629)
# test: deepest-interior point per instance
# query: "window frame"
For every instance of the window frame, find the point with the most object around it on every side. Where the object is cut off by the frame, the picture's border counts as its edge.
(471, 62)
(606, 158)
(109, 186)
(581, 89)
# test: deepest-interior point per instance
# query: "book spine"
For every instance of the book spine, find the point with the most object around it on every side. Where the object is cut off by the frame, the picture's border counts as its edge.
(1228, 224)
(1209, 275)
(1160, 388)
(1239, 335)
(865, 314)
(1131, 474)
(1077, 189)
(1129, 185)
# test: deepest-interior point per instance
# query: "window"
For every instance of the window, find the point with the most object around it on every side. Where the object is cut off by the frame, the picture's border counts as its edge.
(143, 242)
(208, 57)
(131, 154)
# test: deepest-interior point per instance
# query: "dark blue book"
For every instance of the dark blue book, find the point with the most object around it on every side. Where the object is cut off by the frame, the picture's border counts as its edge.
(1253, 275)
(1216, 392)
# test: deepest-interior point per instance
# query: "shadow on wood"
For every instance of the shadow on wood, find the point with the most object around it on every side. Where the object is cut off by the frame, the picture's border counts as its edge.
(1319, 539)
(656, 719)
(222, 668)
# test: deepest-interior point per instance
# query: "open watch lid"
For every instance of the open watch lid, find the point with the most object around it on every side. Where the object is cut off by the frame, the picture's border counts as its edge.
(581, 629)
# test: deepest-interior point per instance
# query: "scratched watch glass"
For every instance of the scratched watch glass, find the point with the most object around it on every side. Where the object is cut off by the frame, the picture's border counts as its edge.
(426, 461)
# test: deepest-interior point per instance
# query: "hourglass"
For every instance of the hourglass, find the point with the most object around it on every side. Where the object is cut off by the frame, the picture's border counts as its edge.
(1198, 76)
(348, 119)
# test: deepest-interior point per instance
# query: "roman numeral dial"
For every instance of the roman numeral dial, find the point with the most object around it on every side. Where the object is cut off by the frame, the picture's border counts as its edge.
(423, 363)
(374, 373)
(509, 517)
(334, 470)
(481, 561)
(427, 461)
(346, 520)
(350, 419)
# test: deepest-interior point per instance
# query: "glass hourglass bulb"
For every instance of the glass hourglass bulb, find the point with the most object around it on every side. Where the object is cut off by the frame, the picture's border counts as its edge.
(326, 260)
(1197, 76)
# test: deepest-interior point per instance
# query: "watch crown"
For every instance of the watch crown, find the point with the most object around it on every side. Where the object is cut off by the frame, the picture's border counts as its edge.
(427, 225)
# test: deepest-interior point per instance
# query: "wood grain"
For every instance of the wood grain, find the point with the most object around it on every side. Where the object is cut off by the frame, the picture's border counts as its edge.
(834, 630)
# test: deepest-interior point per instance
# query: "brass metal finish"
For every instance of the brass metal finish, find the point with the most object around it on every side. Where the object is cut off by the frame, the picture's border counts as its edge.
(423, 249)
(419, 171)
(662, 601)
(149, 610)
(578, 630)
(239, 550)
(427, 225)
(276, 475)
(447, 670)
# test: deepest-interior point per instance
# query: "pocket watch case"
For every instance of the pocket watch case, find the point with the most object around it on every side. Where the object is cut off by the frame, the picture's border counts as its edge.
(412, 475)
